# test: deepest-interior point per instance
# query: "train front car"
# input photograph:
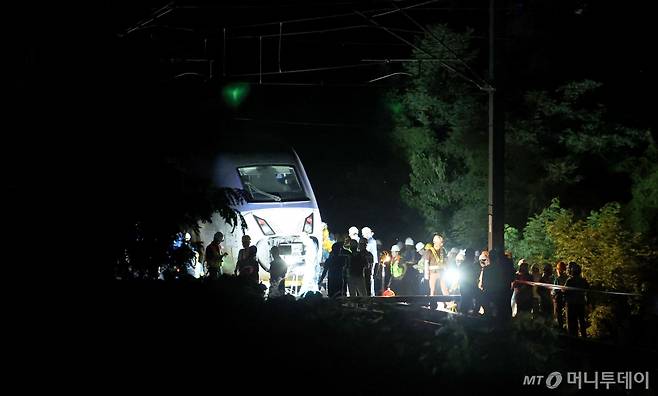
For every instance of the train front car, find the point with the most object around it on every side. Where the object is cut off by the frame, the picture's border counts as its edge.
(281, 210)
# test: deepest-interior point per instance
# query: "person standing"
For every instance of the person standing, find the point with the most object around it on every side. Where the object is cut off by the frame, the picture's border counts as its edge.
(496, 280)
(435, 263)
(545, 301)
(398, 270)
(353, 233)
(523, 296)
(278, 270)
(247, 264)
(576, 301)
(186, 258)
(214, 256)
(360, 266)
(372, 248)
(408, 252)
(334, 270)
(382, 273)
(559, 297)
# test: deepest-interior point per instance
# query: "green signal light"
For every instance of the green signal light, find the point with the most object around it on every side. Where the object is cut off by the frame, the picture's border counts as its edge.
(395, 107)
(234, 94)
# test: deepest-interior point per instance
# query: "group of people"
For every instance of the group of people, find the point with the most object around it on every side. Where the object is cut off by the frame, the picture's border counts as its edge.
(187, 265)
(534, 295)
(487, 281)
(247, 265)
(355, 268)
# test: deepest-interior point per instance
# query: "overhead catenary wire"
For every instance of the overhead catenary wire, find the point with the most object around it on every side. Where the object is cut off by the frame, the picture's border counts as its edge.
(308, 70)
(378, 12)
(390, 75)
(393, 31)
(445, 65)
(321, 84)
(444, 45)
(404, 60)
(159, 13)
(291, 21)
(319, 31)
(398, 9)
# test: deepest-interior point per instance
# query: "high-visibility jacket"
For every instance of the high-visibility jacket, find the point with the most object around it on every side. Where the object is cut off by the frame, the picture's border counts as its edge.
(434, 260)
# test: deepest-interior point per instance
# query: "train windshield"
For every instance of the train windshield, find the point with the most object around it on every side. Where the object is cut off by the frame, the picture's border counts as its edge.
(272, 183)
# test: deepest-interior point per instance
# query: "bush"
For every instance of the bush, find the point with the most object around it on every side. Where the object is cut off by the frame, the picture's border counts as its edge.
(602, 323)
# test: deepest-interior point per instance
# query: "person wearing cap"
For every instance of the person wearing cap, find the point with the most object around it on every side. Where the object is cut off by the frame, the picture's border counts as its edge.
(435, 263)
(408, 251)
(420, 255)
(398, 269)
(420, 251)
(411, 279)
(371, 247)
(422, 286)
(353, 233)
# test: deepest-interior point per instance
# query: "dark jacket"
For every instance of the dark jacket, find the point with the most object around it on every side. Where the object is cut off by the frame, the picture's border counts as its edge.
(573, 296)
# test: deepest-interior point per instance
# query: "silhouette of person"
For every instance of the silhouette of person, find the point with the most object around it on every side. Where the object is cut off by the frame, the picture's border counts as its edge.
(247, 264)
(214, 256)
(278, 270)
(334, 268)
(576, 301)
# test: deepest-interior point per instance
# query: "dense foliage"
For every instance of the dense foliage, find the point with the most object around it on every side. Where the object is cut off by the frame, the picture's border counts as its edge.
(560, 142)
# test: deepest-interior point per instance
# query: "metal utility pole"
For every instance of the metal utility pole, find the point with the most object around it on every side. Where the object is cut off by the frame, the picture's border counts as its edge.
(496, 150)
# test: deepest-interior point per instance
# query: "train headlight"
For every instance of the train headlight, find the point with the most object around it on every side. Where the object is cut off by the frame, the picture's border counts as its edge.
(264, 227)
(308, 224)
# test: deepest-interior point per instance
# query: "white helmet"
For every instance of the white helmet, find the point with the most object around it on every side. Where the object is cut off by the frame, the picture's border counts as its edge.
(353, 231)
(367, 233)
(409, 241)
(420, 246)
(395, 248)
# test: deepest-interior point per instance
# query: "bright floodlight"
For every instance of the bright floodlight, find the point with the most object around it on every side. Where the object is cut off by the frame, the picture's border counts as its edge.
(452, 276)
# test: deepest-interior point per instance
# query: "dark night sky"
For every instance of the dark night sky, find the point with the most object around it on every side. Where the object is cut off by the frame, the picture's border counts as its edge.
(70, 69)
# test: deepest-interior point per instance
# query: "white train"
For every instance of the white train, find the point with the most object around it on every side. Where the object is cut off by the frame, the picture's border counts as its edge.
(281, 210)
